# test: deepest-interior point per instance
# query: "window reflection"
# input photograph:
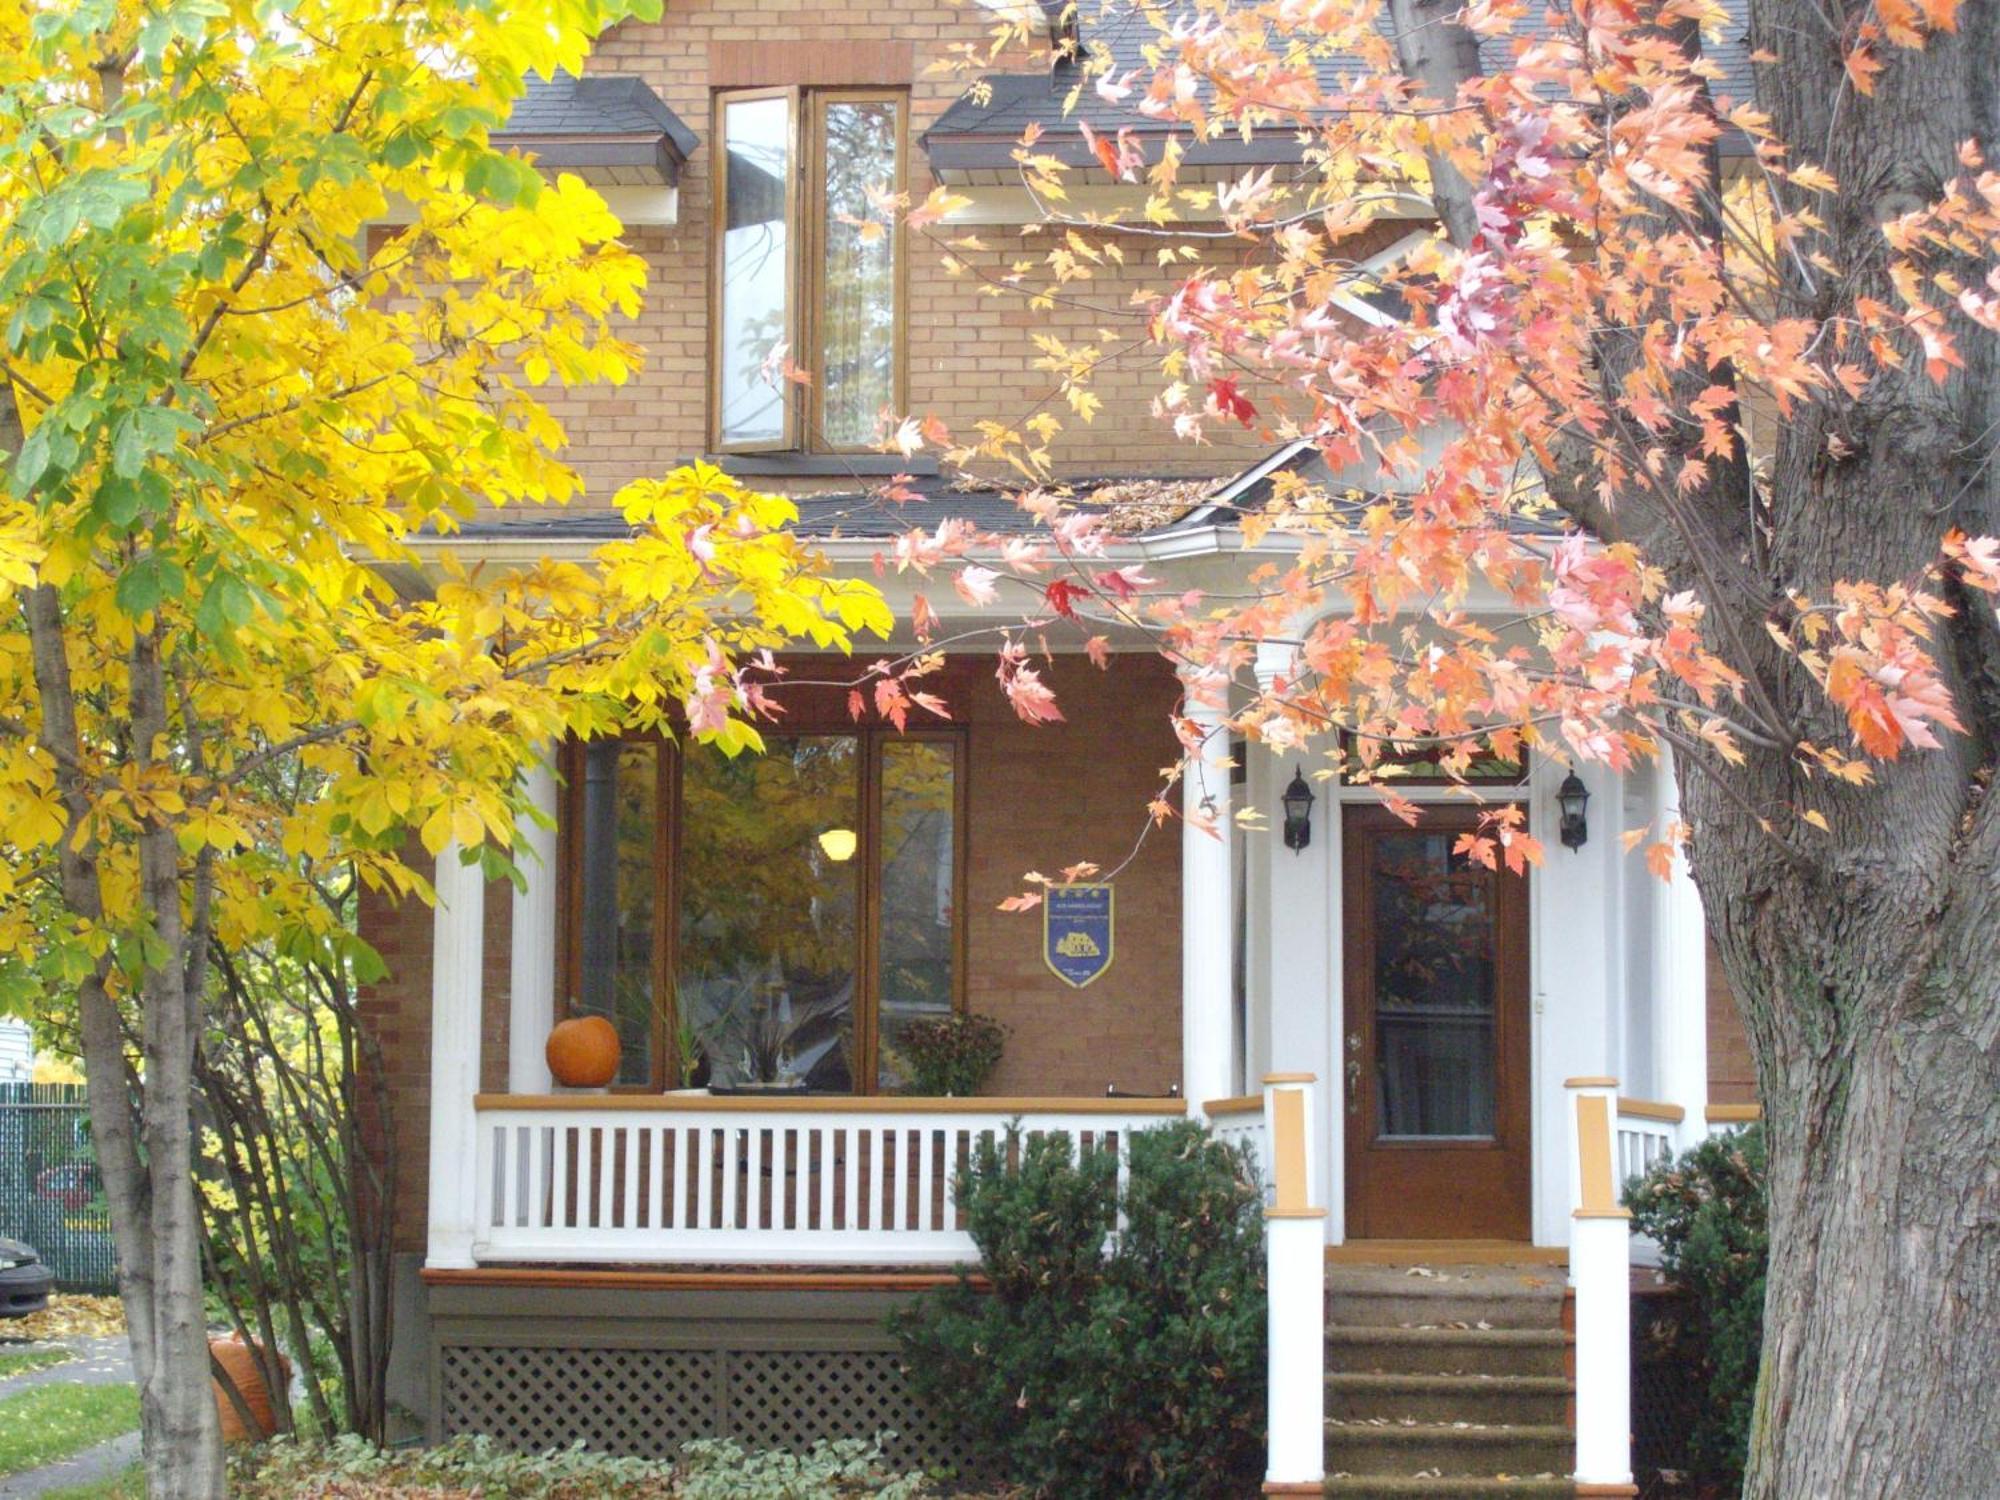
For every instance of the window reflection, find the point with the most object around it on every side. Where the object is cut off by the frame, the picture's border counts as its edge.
(756, 273)
(619, 787)
(766, 970)
(917, 954)
(858, 302)
(1434, 989)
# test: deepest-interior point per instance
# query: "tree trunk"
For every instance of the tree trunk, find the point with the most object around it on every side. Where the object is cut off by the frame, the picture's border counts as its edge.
(1867, 962)
(178, 1420)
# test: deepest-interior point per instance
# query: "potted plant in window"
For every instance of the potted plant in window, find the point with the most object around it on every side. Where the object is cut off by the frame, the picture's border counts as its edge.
(949, 1056)
(761, 1040)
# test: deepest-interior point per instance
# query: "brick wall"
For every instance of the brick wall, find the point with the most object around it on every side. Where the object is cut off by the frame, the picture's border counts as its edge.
(1732, 1077)
(970, 356)
(1039, 799)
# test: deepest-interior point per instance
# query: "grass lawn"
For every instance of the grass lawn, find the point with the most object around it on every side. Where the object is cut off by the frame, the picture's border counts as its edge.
(20, 1361)
(130, 1485)
(49, 1422)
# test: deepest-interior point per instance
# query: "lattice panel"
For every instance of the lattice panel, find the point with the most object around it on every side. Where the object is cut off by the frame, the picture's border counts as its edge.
(787, 1398)
(630, 1401)
(649, 1401)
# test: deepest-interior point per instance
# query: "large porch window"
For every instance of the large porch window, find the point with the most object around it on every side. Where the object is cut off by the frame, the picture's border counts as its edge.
(777, 916)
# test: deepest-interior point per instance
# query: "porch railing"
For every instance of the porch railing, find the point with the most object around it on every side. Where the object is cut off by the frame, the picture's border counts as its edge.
(1648, 1132)
(693, 1179)
(1240, 1123)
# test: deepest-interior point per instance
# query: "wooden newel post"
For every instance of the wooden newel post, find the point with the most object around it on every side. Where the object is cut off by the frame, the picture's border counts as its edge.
(1295, 1275)
(1600, 1271)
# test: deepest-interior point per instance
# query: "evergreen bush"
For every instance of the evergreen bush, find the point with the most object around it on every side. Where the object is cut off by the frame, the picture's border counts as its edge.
(1102, 1364)
(1706, 1210)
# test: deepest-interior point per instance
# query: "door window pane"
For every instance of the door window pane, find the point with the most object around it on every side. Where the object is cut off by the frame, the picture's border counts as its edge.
(917, 956)
(1434, 930)
(769, 889)
(616, 971)
(756, 273)
(858, 295)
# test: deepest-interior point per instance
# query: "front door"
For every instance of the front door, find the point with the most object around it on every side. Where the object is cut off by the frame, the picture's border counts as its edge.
(1436, 1051)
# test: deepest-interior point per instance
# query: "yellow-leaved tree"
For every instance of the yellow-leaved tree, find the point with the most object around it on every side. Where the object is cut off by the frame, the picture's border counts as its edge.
(227, 404)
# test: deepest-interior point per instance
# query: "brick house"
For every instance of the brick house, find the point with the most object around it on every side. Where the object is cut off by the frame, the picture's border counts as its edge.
(649, 1263)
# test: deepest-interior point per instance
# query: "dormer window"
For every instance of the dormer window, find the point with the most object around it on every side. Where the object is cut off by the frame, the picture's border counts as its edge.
(805, 260)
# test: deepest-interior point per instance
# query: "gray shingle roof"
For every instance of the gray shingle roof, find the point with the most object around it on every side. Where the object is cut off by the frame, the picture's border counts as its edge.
(611, 120)
(972, 134)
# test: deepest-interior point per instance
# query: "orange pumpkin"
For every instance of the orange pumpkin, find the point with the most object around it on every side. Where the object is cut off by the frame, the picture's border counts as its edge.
(239, 1362)
(583, 1052)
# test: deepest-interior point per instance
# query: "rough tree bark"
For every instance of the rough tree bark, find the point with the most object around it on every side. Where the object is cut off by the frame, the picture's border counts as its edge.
(142, 1126)
(1866, 962)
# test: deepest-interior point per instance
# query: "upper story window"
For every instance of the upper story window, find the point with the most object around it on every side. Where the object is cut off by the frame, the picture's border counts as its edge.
(804, 259)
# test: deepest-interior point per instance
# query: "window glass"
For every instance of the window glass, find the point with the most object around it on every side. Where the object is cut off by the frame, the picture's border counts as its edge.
(616, 972)
(1435, 988)
(770, 870)
(857, 353)
(918, 955)
(756, 268)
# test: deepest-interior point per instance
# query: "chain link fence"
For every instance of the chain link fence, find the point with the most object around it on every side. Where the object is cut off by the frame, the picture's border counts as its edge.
(50, 1192)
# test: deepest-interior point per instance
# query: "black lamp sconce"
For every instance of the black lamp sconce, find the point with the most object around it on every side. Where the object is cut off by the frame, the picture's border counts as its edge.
(1298, 800)
(1573, 797)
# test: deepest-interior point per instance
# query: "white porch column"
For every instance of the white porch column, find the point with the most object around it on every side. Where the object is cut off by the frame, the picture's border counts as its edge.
(1681, 1007)
(1600, 1269)
(457, 956)
(531, 970)
(1295, 1279)
(1295, 933)
(1207, 917)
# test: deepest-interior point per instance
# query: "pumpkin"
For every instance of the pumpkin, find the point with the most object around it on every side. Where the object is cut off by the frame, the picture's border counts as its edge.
(583, 1052)
(239, 1363)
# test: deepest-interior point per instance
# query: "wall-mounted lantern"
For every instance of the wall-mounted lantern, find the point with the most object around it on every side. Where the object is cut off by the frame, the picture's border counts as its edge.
(1298, 800)
(1573, 797)
(839, 844)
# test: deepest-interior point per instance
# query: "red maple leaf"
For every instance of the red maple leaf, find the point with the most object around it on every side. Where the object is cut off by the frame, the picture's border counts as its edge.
(1061, 596)
(1230, 401)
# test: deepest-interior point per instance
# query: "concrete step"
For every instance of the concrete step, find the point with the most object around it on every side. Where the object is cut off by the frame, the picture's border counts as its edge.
(1399, 1487)
(1445, 1351)
(1444, 1297)
(1448, 1450)
(1485, 1400)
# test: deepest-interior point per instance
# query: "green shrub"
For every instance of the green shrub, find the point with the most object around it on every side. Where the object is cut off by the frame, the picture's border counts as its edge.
(949, 1055)
(1134, 1372)
(1707, 1212)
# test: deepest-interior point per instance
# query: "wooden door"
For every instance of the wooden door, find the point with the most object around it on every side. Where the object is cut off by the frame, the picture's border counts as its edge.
(1435, 1057)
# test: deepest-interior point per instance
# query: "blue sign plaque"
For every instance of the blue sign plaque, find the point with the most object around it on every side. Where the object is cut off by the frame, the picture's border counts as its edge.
(1076, 932)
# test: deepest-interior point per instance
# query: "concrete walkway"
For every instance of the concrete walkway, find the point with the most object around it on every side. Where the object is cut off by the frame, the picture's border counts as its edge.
(99, 1361)
(93, 1361)
(88, 1467)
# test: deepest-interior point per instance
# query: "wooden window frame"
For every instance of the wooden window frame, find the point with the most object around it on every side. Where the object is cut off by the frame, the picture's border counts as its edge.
(805, 238)
(664, 1068)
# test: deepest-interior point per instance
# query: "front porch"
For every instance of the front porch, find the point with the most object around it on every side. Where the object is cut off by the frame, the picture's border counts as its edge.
(1271, 959)
(1428, 1028)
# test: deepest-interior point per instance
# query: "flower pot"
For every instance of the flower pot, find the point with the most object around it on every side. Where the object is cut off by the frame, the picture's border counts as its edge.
(240, 1362)
(583, 1052)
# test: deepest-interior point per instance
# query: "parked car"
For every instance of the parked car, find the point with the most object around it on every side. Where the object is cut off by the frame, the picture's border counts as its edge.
(25, 1282)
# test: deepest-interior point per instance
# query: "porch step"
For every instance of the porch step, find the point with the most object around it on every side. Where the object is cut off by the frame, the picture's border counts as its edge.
(1448, 1450)
(1447, 1383)
(1391, 1487)
(1446, 1351)
(1483, 1400)
(1469, 1297)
